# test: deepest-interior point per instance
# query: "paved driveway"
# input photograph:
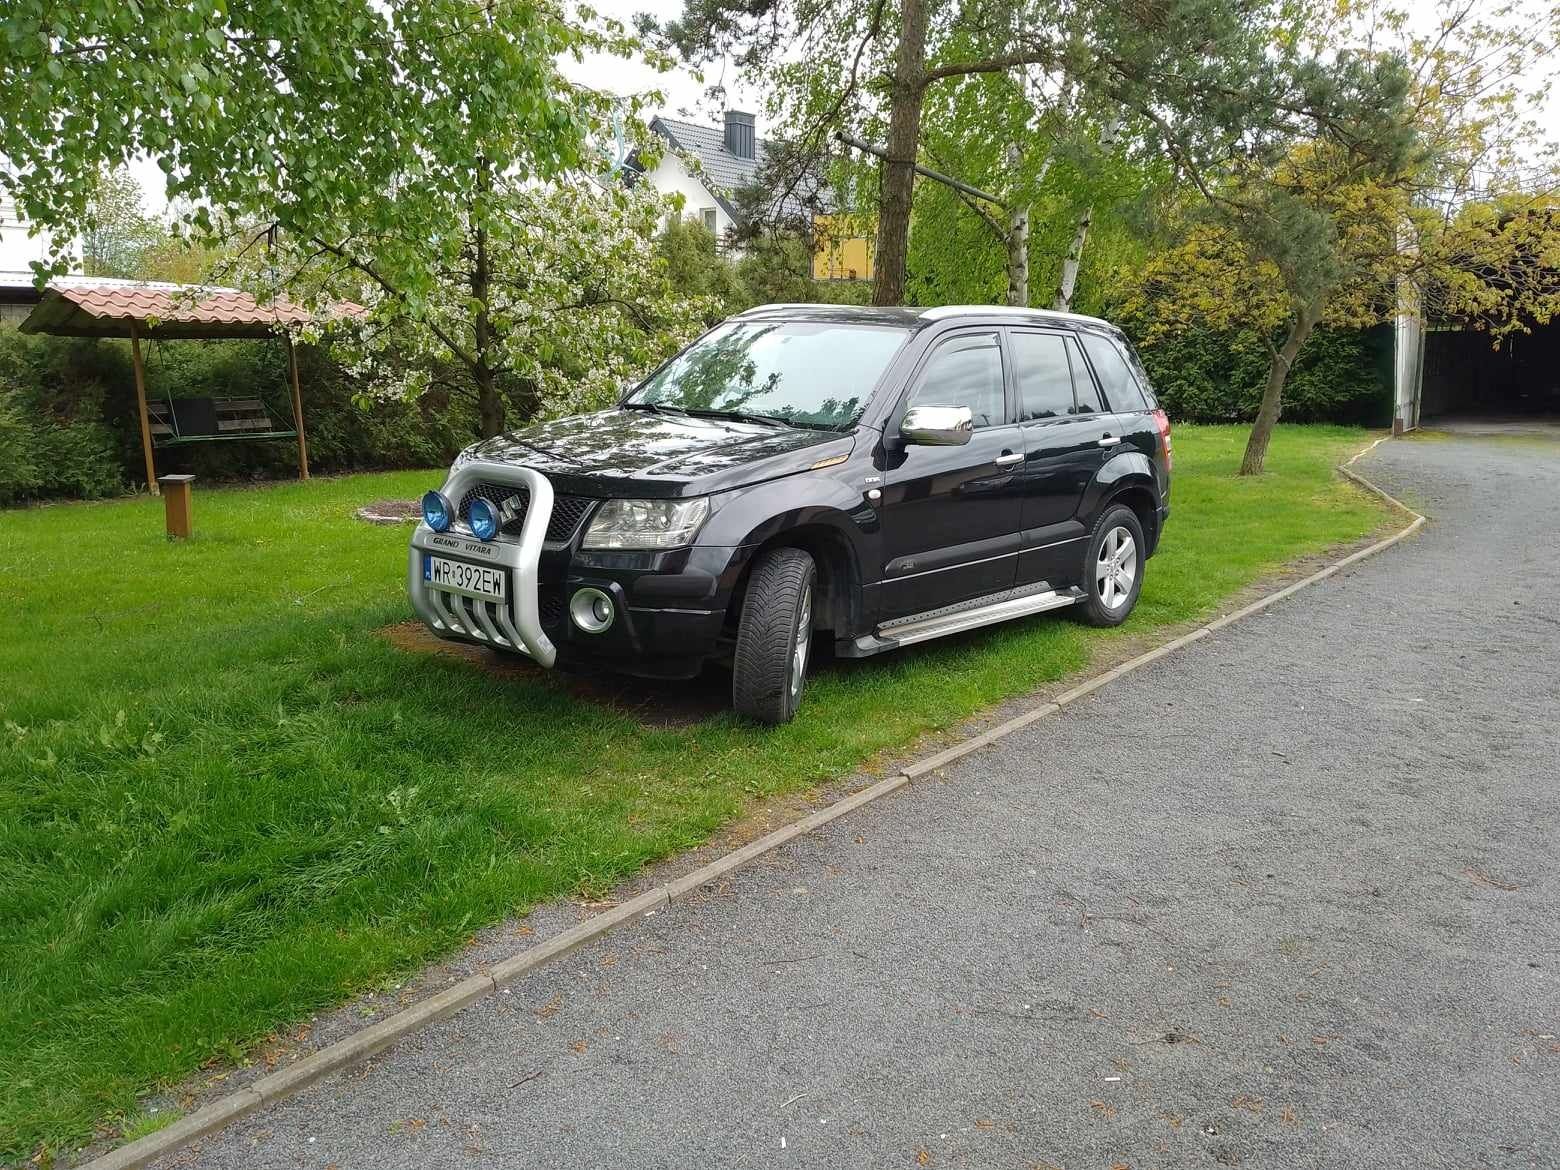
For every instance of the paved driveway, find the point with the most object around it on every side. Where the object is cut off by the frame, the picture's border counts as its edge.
(1285, 899)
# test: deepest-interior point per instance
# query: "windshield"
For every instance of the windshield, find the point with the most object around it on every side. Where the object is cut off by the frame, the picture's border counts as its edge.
(809, 373)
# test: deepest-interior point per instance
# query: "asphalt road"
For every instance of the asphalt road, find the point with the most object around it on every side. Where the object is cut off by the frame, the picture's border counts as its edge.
(1284, 899)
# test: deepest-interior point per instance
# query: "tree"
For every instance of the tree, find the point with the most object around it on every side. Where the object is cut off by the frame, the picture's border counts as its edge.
(118, 233)
(258, 116)
(1207, 73)
(1366, 200)
(552, 301)
(263, 110)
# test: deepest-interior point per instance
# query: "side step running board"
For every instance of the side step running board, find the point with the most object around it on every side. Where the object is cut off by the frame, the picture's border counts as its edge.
(956, 619)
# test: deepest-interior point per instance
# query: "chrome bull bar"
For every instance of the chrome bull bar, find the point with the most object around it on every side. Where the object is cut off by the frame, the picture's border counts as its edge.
(514, 624)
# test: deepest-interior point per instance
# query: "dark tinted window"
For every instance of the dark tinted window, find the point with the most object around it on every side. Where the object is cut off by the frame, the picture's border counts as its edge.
(1087, 393)
(965, 371)
(1045, 388)
(1110, 366)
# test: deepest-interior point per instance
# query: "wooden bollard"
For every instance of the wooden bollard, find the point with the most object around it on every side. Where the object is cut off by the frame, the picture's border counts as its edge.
(178, 504)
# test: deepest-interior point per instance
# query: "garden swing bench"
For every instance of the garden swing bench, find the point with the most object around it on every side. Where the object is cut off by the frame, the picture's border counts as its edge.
(157, 311)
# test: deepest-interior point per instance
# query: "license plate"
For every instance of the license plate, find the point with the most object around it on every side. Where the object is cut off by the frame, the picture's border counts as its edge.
(459, 577)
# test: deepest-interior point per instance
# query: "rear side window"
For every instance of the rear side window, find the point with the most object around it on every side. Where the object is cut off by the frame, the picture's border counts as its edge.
(966, 371)
(1122, 388)
(1052, 379)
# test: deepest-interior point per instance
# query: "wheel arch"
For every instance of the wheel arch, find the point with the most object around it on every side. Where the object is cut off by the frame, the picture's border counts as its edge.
(1129, 479)
(837, 605)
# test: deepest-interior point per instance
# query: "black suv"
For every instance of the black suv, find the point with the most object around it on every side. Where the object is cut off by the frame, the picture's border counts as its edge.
(884, 476)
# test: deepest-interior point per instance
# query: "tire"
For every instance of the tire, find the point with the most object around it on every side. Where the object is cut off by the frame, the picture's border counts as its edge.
(774, 636)
(1111, 594)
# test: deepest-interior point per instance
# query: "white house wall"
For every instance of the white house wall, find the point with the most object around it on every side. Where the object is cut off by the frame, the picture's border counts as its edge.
(671, 177)
(18, 249)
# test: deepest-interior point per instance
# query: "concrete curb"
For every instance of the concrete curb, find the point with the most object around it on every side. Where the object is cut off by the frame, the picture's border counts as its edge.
(377, 1037)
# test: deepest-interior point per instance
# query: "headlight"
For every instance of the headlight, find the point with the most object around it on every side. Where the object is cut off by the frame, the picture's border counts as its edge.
(646, 524)
(483, 518)
(436, 511)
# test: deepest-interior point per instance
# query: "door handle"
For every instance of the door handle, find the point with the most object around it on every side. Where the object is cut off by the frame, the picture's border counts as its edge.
(1008, 457)
(1110, 440)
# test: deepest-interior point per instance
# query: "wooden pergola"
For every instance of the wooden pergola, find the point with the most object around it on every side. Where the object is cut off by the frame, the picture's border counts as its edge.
(158, 311)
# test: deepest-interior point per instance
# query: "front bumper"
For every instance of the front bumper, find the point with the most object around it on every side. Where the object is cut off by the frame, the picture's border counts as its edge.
(512, 625)
(669, 607)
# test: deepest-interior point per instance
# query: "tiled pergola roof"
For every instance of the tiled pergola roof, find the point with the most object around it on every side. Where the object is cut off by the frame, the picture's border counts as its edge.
(164, 311)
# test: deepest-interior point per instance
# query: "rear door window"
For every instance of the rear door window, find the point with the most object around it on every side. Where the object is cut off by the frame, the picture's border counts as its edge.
(1122, 389)
(1044, 376)
(1053, 382)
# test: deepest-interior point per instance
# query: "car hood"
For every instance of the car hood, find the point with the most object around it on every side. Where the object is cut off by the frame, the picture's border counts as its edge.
(638, 452)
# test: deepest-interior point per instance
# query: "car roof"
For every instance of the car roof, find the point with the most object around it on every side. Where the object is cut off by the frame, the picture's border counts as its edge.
(914, 318)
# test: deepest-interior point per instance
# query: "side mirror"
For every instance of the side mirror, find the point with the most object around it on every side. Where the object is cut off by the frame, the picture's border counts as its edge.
(938, 426)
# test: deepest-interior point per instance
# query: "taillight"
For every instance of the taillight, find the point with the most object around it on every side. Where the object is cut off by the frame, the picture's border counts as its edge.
(1162, 424)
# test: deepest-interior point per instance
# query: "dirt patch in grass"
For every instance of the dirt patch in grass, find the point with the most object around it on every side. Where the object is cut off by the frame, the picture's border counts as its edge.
(391, 512)
(651, 702)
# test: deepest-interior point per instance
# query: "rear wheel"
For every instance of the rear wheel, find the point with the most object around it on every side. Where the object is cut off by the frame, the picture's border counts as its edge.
(774, 636)
(1113, 568)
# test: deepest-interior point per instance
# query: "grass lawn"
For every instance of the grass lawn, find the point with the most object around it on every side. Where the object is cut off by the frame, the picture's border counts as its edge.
(225, 803)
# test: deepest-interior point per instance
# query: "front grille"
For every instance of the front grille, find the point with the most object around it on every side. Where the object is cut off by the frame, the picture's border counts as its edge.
(567, 511)
(550, 605)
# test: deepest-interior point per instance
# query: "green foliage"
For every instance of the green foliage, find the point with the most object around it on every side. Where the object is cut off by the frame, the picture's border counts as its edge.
(119, 234)
(236, 802)
(694, 264)
(261, 110)
(68, 423)
(1201, 375)
(53, 440)
(770, 269)
(549, 310)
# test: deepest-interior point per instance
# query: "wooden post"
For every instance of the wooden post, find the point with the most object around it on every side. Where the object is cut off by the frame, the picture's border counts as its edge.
(178, 505)
(140, 402)
(297, 405)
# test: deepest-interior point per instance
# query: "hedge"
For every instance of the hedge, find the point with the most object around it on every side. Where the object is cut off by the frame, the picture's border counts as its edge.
(68, 425)
(1342, 376)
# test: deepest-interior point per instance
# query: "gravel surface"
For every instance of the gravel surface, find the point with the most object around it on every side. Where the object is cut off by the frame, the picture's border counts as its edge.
(1286, 898)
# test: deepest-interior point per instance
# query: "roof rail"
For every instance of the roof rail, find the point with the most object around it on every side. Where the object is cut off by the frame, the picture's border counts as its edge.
(942, 311)
(787, 305)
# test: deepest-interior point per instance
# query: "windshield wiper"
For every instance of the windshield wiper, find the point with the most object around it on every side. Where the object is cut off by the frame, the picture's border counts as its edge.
(768, 420)
(654, 407)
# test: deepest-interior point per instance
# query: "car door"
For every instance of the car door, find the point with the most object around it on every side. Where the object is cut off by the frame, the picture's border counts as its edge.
(949, 515)
(1068, 435)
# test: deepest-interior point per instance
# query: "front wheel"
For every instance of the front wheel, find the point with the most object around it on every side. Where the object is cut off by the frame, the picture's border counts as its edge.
(1113, 568)
(774, 636)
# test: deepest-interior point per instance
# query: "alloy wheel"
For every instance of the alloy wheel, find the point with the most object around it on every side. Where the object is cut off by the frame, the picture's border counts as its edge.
(1117, 568)
(803, 641)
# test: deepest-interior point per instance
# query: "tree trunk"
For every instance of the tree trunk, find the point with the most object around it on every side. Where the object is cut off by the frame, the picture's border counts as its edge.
(1064, 293)
(907, 93)
(490, 404)
(1018, 258)
(1063, 301)
(1273, 395)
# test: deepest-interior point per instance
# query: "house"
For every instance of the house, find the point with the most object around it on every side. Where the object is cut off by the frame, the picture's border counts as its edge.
(707, 165)
(18, 250)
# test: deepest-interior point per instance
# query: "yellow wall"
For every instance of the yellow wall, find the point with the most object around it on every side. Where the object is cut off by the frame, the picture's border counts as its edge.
(847, 258)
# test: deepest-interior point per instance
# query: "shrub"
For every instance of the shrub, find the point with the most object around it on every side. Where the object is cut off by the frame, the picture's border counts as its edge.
(53, 440)
(1342, 375)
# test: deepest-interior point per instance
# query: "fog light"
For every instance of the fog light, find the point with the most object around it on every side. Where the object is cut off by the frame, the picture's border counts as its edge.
(591, 610)
(483, 518)
(436, 511)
